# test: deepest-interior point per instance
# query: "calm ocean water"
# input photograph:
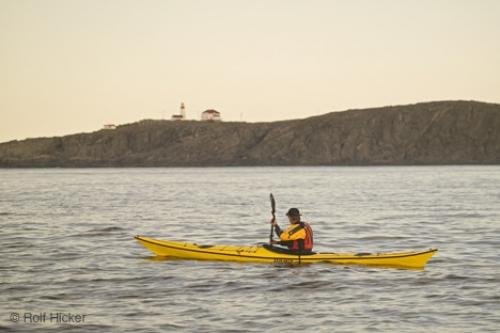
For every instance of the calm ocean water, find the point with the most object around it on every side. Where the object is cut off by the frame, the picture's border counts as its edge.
(66, 240)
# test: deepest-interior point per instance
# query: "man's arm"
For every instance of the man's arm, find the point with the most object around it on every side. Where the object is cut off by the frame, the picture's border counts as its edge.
(277, 228)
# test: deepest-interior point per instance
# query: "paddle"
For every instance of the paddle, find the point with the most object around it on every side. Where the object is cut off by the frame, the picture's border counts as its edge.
(273, 212)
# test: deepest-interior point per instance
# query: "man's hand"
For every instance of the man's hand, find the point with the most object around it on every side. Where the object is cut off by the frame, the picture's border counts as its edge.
(274, 222)
(275, 241)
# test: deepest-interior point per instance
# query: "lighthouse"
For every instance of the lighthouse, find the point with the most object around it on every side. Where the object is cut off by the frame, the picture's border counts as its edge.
(182, 113)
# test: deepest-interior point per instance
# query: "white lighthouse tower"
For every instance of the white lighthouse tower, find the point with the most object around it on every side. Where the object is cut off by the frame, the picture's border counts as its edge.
(183, 111)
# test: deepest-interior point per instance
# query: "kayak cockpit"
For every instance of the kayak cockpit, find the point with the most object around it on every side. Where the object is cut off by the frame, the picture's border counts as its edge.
(281, 250)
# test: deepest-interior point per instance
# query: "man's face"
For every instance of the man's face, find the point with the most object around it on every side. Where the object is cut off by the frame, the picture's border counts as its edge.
(293, 219)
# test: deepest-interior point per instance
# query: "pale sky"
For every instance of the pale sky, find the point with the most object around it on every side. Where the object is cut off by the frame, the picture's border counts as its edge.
(70, 66)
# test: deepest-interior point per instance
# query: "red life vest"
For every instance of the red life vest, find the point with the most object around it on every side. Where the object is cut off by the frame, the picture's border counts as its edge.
(307, 243)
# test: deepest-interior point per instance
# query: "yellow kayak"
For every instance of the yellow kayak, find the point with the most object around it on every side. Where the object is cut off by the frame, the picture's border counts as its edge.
(265, 254)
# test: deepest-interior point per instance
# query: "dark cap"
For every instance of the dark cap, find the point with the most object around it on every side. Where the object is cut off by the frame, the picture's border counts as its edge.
(293, 212)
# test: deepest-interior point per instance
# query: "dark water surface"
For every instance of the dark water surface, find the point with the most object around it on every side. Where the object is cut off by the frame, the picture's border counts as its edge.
(66, 239)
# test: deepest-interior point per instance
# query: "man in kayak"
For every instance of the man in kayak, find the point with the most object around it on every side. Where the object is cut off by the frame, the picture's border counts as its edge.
(298, 236)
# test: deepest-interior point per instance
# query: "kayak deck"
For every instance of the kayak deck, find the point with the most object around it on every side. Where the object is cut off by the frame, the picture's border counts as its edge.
(261, 254)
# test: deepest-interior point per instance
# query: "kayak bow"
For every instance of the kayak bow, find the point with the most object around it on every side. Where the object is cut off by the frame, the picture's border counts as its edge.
(261, 254)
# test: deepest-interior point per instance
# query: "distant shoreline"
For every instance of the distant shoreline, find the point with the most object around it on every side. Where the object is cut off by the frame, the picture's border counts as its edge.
(424, 134)
(247, 166)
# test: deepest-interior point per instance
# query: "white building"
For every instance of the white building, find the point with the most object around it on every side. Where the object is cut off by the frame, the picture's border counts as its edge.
(210, 115)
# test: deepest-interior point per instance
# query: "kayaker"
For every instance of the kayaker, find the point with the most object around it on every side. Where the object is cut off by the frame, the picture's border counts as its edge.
(298, 236)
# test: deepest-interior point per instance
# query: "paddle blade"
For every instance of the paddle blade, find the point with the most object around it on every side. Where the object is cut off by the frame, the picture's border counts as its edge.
(273, 204)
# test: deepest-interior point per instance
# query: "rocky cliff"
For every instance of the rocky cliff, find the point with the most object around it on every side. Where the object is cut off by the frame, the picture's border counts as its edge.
(449, 132)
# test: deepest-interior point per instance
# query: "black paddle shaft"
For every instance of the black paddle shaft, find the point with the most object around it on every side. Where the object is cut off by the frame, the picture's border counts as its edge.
(273, 212)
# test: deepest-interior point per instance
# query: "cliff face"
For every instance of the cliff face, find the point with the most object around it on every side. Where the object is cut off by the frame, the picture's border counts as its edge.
(454, 132)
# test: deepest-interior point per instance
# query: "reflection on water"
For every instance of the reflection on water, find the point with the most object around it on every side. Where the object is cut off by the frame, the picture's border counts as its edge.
(67, 245)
